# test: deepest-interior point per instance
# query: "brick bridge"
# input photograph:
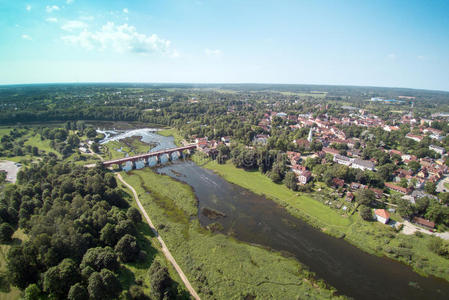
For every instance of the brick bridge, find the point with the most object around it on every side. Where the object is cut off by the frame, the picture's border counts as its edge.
(145, 157)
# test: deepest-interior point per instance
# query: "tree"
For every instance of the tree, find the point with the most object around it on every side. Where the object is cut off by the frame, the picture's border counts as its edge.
(77, 292)
(108, 235)
(160, 281)
(127, 249)
(91, 133)
(430, 187)
(2, 177)
(421, 204)
(58, 280)
(365, 197)
(414, 166)
(6, 232)
(103, 285)
(405, 209)
(290, 181)
(32, 292)
(99, 258)
(365, 213)
(134, 215)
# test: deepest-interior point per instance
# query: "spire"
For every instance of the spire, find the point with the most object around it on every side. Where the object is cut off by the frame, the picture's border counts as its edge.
(309, 138)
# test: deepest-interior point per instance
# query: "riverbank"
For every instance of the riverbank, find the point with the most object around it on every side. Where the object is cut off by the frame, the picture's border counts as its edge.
(217, 265)
(372, 237)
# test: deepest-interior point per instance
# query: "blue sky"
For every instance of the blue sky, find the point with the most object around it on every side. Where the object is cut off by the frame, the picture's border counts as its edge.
(376, 43)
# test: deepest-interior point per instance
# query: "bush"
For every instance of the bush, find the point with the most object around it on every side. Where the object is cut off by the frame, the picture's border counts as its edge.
(365, 213)
(6, 232)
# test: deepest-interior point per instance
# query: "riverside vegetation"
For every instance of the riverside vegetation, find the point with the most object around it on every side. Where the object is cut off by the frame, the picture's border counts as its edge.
(218, 266)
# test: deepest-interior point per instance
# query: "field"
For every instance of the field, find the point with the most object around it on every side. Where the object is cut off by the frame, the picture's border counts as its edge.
(217, 265)
(372, 237)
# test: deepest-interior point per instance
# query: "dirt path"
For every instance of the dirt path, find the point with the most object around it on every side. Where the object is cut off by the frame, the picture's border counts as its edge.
(161, 241)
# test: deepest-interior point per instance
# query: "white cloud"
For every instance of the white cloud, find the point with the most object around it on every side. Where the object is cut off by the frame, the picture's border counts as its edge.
(51, 8)
(73, 25)
(213, 52)
(70, 1)
(121, 39)
(28, 7)
(26, 37)
(51, 20)
(125, 10)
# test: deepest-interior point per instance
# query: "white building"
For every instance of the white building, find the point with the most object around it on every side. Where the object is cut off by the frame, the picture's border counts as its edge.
(437, 149)
(382, 215)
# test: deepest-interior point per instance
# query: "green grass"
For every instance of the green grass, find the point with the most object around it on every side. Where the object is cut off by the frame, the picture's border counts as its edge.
(446, 185)
(218, 266)
(174, 133)
(43, 145)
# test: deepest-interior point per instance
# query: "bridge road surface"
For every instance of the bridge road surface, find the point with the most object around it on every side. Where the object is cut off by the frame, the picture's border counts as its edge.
(147, 155)
(165, 250)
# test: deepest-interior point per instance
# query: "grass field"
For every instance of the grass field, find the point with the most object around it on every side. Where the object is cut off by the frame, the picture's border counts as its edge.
(218, 266)
(43, 145)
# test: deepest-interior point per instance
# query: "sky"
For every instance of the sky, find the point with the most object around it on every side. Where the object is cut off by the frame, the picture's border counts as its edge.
(368, 43)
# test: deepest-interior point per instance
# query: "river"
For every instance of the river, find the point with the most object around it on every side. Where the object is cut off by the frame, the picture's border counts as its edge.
(255, 219)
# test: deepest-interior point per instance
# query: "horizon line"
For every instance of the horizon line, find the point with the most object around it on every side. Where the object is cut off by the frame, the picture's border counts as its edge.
(218, 83)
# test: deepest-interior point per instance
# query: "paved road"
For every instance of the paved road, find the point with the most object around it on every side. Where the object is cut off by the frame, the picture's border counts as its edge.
(410, 228)
(440, 186)
(165, 250)
(11, 170)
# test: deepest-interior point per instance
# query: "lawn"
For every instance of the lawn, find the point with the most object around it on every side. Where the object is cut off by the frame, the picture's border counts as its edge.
(43, 145)
(218, 266)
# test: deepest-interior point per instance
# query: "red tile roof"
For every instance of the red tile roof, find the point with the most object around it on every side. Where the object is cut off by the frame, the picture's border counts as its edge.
(382, 213)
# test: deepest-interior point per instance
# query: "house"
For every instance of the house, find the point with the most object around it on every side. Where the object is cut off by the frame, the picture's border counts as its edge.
(343, 160)
(424, 222)
(303, 143)
(349, 197)
(226, 140)
(377, 192)
(338, 183)
(416, 138)
(304, 177)
(362, 164)
(330, 151)
(294, 157)
(437, 149)
(397, 188)
(261, 139)
(357, 186)
(382, 215)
